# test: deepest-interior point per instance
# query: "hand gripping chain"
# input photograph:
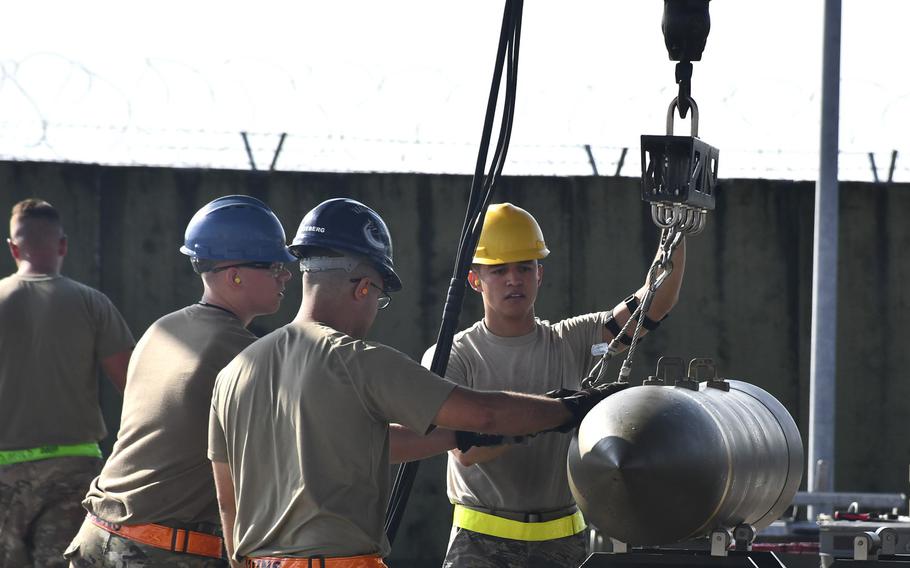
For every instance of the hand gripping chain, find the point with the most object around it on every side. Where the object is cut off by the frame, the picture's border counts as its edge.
(661, 268)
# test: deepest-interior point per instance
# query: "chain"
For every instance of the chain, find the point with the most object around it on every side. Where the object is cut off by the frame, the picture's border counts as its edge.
(670, 238)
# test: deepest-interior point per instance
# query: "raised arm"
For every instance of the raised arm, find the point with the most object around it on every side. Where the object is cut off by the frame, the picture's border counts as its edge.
(664, 300)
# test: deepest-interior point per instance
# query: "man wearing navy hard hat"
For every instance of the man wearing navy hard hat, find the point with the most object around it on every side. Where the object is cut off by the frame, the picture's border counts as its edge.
(306, 420)
(154, 503)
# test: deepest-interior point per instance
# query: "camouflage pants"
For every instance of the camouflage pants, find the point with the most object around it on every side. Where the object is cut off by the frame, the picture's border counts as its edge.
(95, 547)
(469, 549)
(40, 509)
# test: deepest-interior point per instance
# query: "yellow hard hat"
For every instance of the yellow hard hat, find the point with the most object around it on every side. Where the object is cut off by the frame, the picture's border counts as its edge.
(509, 234)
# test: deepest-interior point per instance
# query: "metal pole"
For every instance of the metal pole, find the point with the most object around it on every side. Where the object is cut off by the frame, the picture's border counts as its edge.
(249, 151)
(822, 365)
(872, 165)
(591, 159)
(622, 160)
(277, 150)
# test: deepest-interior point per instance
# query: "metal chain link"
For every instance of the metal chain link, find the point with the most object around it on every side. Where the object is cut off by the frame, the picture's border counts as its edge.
(670, 239)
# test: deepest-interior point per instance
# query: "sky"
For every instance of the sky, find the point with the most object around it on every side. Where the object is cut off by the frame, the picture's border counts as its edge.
(401, 86)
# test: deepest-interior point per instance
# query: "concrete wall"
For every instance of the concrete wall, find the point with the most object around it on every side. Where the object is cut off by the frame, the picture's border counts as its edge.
(746, 300)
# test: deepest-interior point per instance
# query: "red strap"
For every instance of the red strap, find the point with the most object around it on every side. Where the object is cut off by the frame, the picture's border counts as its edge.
(165, 538)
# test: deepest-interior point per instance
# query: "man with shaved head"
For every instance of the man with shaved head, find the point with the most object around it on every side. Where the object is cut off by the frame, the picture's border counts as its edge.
(305, 421)
(55, 334)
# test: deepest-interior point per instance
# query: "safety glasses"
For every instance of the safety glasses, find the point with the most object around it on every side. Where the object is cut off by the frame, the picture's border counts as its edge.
(276, 268)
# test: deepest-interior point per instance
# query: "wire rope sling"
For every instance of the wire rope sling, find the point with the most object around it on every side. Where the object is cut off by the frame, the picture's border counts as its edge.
(678, 176)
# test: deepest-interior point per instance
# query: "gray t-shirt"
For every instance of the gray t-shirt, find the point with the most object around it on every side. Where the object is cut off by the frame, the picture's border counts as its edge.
(532, 477)
(302, 418)
(54, 332)
(159, 471)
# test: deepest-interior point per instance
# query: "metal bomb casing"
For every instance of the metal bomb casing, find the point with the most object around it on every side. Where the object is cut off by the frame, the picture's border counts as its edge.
(655, 465)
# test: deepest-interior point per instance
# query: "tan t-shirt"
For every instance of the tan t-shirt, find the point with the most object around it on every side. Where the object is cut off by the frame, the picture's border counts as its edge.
(54, 332)
(159, 471)
(527, 478)
(302, 418)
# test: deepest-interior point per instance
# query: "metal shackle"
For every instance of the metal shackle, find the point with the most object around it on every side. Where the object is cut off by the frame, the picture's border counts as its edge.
(674, 104)
(689, 220)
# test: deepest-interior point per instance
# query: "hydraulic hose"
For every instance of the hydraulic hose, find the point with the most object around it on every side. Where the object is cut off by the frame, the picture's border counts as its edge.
(478, 200)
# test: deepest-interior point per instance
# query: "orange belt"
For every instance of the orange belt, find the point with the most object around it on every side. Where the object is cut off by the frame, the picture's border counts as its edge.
(316, 562)
(167, 538)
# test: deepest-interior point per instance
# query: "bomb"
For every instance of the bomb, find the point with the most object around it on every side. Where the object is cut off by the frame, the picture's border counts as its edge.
(655, 465)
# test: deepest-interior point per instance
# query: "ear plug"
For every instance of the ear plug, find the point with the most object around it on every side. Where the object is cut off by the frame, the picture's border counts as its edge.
(236, 280)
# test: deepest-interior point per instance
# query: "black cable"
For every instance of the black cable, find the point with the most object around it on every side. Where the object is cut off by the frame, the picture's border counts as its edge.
(505, 132)
(478, 200)
(474, 197)
(505, 129)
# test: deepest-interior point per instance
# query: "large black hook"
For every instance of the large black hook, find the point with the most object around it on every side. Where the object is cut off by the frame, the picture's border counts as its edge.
(685, 25)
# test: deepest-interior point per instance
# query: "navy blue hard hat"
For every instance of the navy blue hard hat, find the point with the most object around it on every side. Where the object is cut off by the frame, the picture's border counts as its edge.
(349, 226)
(236, 227)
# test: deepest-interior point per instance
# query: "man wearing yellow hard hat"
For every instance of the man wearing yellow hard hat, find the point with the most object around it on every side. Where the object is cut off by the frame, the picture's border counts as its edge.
(512, 503)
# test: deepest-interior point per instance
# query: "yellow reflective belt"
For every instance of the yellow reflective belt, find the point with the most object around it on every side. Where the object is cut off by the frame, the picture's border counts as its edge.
(89, 449)
(484, 523)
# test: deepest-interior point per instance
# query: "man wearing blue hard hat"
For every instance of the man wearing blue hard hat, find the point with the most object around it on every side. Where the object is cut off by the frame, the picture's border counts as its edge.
(154, 503)
(306, 420)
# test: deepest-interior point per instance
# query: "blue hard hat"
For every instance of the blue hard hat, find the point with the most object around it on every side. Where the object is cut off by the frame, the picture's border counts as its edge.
(236, 227)
(349, 226)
